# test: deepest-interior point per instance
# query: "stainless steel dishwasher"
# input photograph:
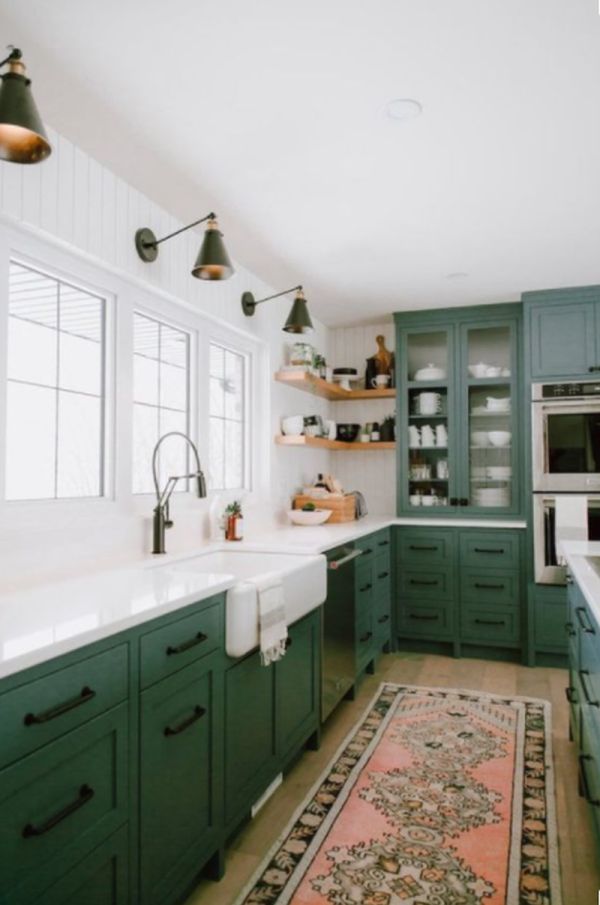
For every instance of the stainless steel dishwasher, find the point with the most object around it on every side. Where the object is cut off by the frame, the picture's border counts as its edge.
(338, 628)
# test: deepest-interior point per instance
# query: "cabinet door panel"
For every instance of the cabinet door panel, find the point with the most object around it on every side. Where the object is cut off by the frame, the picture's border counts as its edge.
(183, 641)
(425, 548)
(479, 586)
(176, 806)
(419, 620)
(435, 584)
(563, 342)
(100, 879)
(489, 549)
(490, 625)
(297, 678)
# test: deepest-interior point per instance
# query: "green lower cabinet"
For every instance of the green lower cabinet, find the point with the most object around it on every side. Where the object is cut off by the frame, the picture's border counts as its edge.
(490, 625)
(589, 768)
(100, 879)
(418, 618)
(297, 686)
(180, 816)
(549, 617)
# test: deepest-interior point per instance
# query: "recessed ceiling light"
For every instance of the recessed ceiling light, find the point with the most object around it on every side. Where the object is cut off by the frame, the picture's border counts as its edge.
(403, 109)
(457, 275)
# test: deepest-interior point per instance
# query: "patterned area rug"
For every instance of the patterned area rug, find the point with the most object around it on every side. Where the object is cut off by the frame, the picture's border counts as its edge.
(437, 797)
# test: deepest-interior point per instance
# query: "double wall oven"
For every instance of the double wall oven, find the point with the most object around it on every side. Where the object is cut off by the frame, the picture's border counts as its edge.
(566, 460)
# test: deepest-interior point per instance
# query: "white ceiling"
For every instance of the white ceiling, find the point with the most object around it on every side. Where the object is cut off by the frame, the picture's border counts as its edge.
(272, 111)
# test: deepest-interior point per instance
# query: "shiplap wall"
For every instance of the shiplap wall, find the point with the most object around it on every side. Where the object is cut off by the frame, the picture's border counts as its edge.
(73, 204)
(370, 471)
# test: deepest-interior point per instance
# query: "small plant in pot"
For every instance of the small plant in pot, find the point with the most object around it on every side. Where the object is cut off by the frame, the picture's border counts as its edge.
(387, 431)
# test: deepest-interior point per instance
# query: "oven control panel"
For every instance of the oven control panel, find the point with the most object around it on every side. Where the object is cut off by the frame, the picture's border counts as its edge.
(567, 390)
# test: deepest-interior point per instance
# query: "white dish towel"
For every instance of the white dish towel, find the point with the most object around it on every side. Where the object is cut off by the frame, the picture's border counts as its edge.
(272, 627)
(571, 521)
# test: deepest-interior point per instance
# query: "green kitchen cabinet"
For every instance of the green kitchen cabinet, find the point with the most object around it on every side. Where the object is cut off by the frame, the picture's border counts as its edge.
(100, 879)
(459, 418)
(297, 686)
(562, 329)
(180, 796)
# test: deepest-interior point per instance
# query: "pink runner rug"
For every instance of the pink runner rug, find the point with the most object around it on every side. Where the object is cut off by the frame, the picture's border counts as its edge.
(437, 797)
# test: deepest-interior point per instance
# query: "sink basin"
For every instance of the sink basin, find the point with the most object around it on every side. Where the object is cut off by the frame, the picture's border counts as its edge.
(304, 580)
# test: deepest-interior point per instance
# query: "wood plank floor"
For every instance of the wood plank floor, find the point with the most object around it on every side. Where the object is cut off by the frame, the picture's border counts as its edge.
(580, 868)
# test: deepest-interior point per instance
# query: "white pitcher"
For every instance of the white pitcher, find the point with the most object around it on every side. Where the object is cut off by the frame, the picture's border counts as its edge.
(441, 435)
(414, 437)
(427, 435)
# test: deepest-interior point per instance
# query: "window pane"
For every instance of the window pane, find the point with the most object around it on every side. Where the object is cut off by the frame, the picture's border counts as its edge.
(216, 470)
(217, 397)
(145, 336)
(30, 454)
(32, 352)
(145, 436)
(234, 449)
(173, 387)
(174, 452)
(217, 361)
(80, 364)
(79, 446)
(145, 380)
(174, 346)
(227, 440)
(234, 386)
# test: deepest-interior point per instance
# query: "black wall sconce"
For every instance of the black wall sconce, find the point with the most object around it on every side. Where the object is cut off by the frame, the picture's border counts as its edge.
(22, 135)
(298, 319)
(212, 262)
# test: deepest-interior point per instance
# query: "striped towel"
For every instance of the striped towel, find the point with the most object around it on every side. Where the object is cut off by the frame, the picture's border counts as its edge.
(272, 627)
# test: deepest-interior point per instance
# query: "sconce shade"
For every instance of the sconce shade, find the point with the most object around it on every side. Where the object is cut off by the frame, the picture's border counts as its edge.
(298, 319)
(22, 135)
(213, 262)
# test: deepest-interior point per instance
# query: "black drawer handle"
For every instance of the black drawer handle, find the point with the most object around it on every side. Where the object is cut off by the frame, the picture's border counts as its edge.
(583, 673)
(85, 794)
(383, 543)
(288, 642)
(593, 368)
(489, 587)
(489, 622)
(583, 758)
(187, 645)
(86, 694)
(423, 549)
(366, 551)
(383, 575)
(570, 630)
(463, 501)
(584, 623)
(485, 550)
(366, 637)
(196, 715)
(428, 584)
(365, 587)
(571, 695)
(383, 619)
(423, 618)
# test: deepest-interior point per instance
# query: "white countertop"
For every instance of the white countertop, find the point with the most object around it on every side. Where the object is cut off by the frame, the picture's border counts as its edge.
(51, 619)
(578, 554)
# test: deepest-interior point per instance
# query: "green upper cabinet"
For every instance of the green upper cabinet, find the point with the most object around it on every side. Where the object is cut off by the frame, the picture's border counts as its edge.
(563, 332)
(459, 418)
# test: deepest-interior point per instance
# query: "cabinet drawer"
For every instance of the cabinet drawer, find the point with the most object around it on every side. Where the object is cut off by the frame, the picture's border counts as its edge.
(100, 879)
(490, 625)
(40, 711)
(382, 568)
(434, 584)
(365, 642)
(367, 545)
(484, 587)
(58, 804)
(417, 620)
(493, 549)
(364, 590)
(425, 548)
(167, 649)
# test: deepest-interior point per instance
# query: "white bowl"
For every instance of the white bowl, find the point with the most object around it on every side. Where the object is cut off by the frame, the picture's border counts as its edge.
(431, 372)
(293, 425)
(309, 517)
(499, 472)
(479, 438)
(493, 371)
(497, 403)
(499, 438)
(478, 370)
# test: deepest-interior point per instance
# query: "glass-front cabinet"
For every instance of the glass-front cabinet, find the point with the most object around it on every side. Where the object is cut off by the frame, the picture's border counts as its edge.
(458, 418)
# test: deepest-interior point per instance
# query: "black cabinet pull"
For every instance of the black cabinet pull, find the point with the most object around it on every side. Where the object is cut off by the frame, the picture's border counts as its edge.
(593, 368)
(422, 549)
(570, 630)
(187, 645)
(383, 619)
(196, 715)
(383, 575)
(571, 695)
(365, 587)
(486, 550)
(489, 622)
(423, 618)
(424, 583)
(453, 501)
(583, 758)
(583, 673)
(489, 587)
(463, 501)
(383, 543)
(366, 637)
(86, 694)
(366, 551)
(85, 794)
(288, 642)
(585, 624)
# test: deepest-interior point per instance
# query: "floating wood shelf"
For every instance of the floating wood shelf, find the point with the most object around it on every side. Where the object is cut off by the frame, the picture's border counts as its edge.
(303, 380)
(322, 443)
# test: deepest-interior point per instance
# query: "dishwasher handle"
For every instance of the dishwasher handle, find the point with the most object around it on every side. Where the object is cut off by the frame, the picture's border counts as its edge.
(337, 563)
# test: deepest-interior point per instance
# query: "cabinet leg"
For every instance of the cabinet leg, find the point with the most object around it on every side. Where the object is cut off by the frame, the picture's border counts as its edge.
(314, 741)
(350, 694)
(371, 667)
(215, 868)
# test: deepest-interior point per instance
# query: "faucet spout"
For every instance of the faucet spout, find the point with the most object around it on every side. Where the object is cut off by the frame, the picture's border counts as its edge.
(161, 520)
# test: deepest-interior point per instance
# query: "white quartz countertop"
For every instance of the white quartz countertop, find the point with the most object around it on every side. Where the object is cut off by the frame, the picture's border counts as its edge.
(51, 619)
(579, 555)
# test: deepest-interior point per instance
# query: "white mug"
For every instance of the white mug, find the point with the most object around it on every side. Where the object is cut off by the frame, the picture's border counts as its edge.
(331, 428)
(381, 381)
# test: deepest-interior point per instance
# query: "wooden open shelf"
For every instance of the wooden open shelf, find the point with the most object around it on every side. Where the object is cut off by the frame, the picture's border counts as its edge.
(322, 443)
(303, 380)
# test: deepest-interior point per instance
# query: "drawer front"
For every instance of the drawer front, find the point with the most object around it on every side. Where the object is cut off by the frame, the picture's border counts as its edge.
(100, 879)
(416, 620)
(425, 548)
(589, 673)
(365, 642)
(490, 625)
(368, 547)
(490, 549)
(433, 584)
(39, 712)
(490, 587)
(364, 589)
(58, 804)
(382, 569)
(181, 642)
